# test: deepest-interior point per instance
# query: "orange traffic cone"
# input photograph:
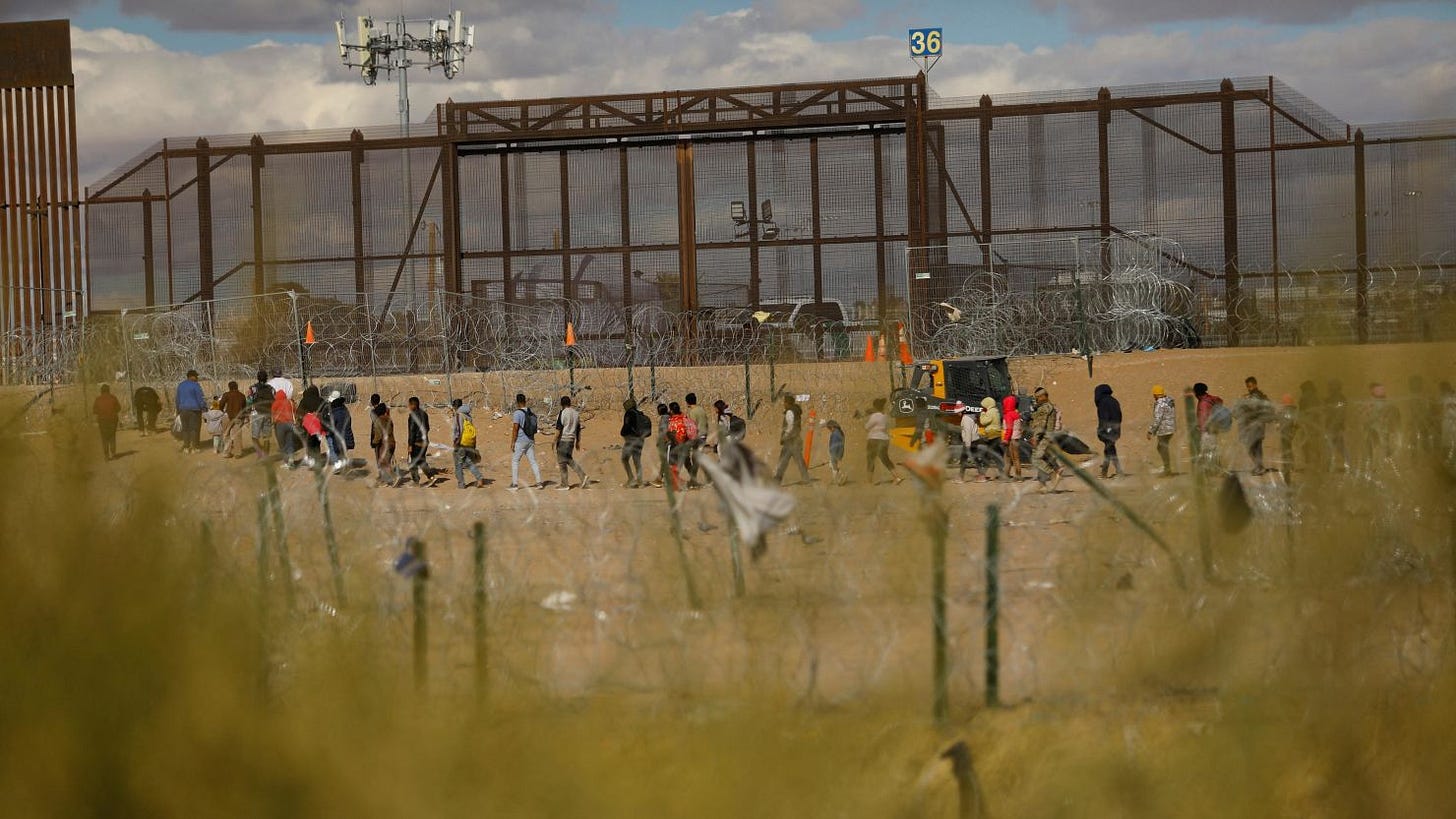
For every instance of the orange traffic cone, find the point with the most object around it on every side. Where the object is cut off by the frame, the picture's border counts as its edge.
(905, 349)
(308, 337)
(570, 335)
(869, 348)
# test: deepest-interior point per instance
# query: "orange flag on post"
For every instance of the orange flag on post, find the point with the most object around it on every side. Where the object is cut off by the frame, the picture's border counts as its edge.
(308, 337)
(570, 335)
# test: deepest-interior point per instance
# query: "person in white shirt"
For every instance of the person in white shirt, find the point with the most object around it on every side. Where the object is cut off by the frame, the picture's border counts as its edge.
(281, 384)
(791, 441)
(568, 440)
(877, 443)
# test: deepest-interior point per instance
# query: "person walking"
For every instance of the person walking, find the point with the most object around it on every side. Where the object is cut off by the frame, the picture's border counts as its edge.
(465, 439)
(341, 432)
(731, 427)
(281, 384)
(417, 439)
(1214, 419)
(988, 440)
(147, 405)
(877, 441)
(836, 452)
(1041, 429)
(699, 417)
(1311, 433)
(1253, 413)
(260, 409)
(233, 401)
(681, 434)
(1163, 426)
(1109, 429)
(311, 429)
(1012, 430)
(108, 415)
(636, 429)
(234, 405)
(382, 441)
(191, 403)
(791, 441)
(568, 441)
(523, 443)
(215, 422)
(284, 417)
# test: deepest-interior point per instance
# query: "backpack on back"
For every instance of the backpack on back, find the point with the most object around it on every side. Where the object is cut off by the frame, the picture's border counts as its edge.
(530, 426)
(641, 424)
(690, 428)
(262, 395)
(1220, 418)
(468, 434)
(677, 429)
(737, 426)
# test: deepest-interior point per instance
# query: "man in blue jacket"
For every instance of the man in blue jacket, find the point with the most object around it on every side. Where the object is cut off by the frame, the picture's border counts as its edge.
(190, 405)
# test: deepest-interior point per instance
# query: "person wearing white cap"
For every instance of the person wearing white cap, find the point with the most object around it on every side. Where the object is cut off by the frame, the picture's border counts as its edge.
(340, 427)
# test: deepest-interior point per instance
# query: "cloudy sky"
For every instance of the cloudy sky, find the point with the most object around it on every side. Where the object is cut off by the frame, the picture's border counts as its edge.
(146, 69)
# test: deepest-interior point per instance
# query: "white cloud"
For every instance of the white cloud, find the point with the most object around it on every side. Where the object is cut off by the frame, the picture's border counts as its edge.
(132, 92)
(1103, 14)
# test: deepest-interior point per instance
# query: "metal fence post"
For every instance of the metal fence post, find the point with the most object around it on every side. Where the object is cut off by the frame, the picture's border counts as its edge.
(482, 667)
(297, 334)
(993, 606)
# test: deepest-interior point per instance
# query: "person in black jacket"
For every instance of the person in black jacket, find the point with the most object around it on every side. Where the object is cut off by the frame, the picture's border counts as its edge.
(636, 429)
(147, 404)
(341, 431)
(1109, 428)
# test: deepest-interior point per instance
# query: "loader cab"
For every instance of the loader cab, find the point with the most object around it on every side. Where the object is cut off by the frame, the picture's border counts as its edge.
(940, 390)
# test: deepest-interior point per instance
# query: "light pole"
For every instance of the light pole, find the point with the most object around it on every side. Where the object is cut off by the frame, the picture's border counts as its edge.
(393, 48)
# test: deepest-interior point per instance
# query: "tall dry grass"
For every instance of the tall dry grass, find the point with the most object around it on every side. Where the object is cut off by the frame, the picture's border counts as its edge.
(149, 672)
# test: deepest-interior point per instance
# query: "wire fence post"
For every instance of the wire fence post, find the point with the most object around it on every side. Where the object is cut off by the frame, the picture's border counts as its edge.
(297, 334)
(416, 547)
(482, 668)
(1200, 501)
(372, 340)
(285, 563)
(445, 349)
(331, 542)
(262, 610)
(747, 388)
(993, 606)
(210, 312)
(937, 525)
(126, 362)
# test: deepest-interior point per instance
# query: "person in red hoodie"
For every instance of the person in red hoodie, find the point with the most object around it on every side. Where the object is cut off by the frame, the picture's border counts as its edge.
(1011, 436)
(1213, 420)
(108, 414)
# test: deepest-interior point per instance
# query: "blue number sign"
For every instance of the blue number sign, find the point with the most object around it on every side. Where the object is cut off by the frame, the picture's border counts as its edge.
(925, 42)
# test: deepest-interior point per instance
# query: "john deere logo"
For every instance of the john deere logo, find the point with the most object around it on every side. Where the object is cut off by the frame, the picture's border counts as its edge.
(907, 405)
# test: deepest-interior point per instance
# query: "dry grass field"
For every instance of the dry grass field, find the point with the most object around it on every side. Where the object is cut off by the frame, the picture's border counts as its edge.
(154, 666)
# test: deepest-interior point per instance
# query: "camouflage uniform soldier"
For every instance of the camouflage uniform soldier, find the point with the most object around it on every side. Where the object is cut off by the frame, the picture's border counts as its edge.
(1043, 424)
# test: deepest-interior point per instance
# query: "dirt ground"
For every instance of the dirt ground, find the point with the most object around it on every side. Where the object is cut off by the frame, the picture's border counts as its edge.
(857, 552)
(1110, 664)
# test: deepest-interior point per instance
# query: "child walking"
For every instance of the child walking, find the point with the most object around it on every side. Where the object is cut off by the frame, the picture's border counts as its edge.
(836, 451)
